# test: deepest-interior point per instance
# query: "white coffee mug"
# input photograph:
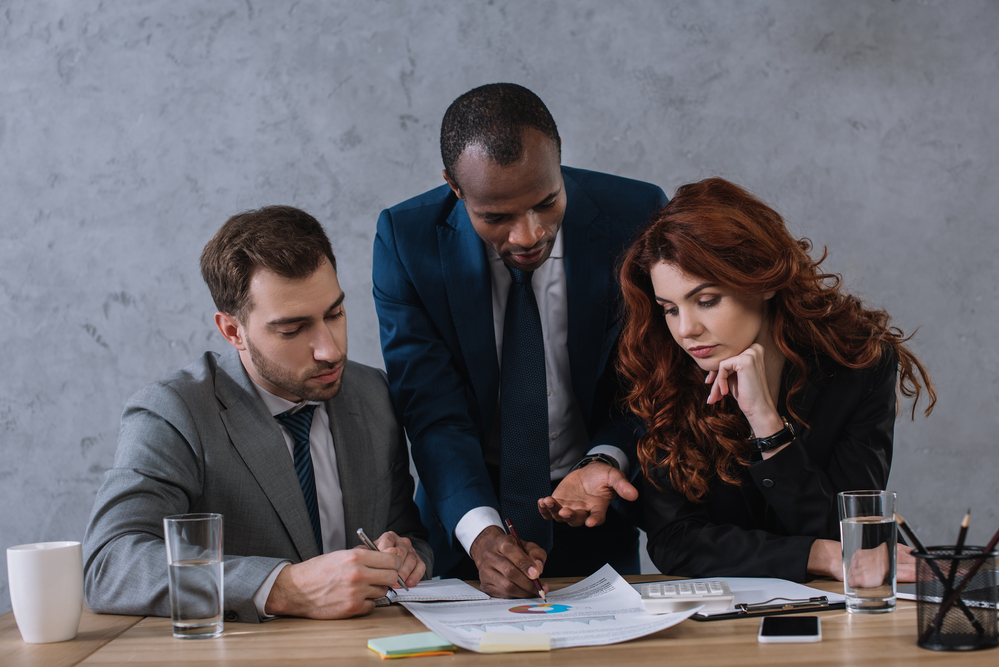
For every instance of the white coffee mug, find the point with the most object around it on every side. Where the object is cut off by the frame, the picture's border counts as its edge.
(46, 590)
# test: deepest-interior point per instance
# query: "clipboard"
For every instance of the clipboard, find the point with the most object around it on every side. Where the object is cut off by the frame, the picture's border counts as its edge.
(760, 596)
(773, 607)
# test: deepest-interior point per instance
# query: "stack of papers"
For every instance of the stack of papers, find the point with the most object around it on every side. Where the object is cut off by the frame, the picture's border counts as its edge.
(410, 646)
(602, 609)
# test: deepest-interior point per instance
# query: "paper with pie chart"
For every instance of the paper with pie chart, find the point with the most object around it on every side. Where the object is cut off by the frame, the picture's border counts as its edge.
(601, 609)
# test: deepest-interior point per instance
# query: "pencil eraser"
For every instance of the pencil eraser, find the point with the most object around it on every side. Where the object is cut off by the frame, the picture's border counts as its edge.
(509, 642)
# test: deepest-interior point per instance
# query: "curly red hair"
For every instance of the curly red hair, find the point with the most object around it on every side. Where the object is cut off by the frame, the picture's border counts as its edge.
(720, 232)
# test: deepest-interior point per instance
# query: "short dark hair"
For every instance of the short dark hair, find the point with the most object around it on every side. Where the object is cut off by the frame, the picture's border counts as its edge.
(494, 116)
(282, 239)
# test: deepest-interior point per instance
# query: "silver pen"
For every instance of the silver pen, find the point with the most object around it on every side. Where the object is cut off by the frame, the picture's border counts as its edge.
(371, 545)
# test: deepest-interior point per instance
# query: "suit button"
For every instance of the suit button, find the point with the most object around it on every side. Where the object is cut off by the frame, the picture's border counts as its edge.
(230, 616)
(768, 483)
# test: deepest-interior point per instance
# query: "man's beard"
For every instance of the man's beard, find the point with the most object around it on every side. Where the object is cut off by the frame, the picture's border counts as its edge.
(286, 380)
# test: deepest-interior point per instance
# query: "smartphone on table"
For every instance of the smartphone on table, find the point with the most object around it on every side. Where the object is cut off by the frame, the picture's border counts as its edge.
(789, 629)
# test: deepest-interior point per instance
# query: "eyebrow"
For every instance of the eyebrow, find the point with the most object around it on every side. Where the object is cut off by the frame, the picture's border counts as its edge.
(490, 214)
(690, 293)
(302, 318)
(698, 289)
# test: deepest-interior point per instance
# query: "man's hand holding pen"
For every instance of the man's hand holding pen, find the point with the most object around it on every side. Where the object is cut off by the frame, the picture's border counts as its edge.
(505, 569)
(413, 568)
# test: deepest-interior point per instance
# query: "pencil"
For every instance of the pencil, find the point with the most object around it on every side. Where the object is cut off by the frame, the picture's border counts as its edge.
(973, 570)
(909, 533)
(520, 543)
(963, 533)
(371, 545)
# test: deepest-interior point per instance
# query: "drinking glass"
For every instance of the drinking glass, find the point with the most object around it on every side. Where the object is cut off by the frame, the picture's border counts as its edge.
(194, 560)
(868, 535)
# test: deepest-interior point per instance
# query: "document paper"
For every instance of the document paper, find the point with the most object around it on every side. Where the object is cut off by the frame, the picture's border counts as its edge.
(602, 609)
(437, 590)
(434, 590)
(757, 590)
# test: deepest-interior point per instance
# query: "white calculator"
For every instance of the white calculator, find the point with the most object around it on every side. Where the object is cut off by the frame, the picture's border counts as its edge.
(669, 596)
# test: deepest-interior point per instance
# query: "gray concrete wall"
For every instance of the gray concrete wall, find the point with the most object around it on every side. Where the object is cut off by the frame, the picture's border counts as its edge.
(130, 131)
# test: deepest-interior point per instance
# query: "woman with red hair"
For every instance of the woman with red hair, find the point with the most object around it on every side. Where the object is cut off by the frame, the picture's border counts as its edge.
(765, 390)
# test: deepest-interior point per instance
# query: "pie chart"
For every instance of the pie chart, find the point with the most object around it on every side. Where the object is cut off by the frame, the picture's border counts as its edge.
(540, 608)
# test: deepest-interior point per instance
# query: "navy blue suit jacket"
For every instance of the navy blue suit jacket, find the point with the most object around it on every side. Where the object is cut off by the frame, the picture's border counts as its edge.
(432, 290)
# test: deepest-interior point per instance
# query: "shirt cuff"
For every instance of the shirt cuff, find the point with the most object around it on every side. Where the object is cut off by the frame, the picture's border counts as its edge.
(260, 597)
(614, 452)
(474, 522)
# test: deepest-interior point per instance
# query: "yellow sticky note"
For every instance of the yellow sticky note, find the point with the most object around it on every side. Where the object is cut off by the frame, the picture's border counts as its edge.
(508, 642)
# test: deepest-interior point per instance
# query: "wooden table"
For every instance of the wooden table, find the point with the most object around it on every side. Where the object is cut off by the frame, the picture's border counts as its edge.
(95, 631)
(847, 639)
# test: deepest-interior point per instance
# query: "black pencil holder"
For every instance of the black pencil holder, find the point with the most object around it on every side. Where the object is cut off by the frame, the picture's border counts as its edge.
(964, 623)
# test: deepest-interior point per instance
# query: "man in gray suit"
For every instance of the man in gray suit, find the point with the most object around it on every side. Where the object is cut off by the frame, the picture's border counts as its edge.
(294, 445)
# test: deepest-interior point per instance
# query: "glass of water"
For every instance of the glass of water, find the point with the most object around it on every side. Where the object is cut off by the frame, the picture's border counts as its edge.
(868, 535)
(194, 560)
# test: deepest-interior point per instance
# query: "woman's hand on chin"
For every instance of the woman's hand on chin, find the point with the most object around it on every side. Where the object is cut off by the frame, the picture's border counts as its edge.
(744, 376)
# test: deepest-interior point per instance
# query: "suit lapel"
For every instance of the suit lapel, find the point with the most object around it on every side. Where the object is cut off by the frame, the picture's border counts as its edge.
(260, 443)
(588, 277)
(816, 375)
(469, 292)
(353, 452)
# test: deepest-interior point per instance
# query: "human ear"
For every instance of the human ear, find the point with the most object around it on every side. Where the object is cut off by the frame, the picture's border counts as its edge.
(231, 330)
(454, 185)
(769, 295)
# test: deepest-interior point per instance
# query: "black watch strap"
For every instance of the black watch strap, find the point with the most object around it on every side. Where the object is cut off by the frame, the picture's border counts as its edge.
(590, 458)
(778, 439)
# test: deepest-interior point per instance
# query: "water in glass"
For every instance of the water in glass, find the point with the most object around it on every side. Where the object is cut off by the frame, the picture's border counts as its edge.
(196, 598)
(869, 563)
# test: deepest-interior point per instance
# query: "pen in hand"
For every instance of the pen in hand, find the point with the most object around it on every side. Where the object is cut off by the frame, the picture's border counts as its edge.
(520, 543)
(371, 545)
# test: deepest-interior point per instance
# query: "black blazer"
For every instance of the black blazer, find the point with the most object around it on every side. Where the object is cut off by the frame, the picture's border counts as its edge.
(765, 526)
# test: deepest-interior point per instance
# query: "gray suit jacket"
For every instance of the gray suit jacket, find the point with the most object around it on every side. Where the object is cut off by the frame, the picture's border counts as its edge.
(202, 440)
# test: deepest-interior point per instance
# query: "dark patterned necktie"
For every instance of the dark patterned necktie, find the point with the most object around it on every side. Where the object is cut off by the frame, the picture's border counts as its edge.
(300, 424)
(524, 448)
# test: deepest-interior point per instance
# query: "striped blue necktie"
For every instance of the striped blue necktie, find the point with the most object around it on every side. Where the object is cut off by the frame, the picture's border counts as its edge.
(300, 424)
(525, 460)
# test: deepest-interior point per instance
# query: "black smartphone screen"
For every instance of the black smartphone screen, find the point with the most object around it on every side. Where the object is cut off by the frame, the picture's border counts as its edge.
(790, 626)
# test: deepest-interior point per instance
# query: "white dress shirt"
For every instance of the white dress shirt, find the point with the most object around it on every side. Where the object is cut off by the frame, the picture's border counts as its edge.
(568, 440)
(328, 494)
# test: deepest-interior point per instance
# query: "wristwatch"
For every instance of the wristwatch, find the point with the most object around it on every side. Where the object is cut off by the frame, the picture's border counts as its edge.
(590, 458)
(778, 439)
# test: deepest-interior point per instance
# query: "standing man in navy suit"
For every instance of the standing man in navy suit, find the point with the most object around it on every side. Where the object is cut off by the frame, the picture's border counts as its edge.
(495, 295)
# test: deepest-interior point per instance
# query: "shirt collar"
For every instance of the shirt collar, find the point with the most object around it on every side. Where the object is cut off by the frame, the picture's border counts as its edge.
(556, 249)
(278, 405)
